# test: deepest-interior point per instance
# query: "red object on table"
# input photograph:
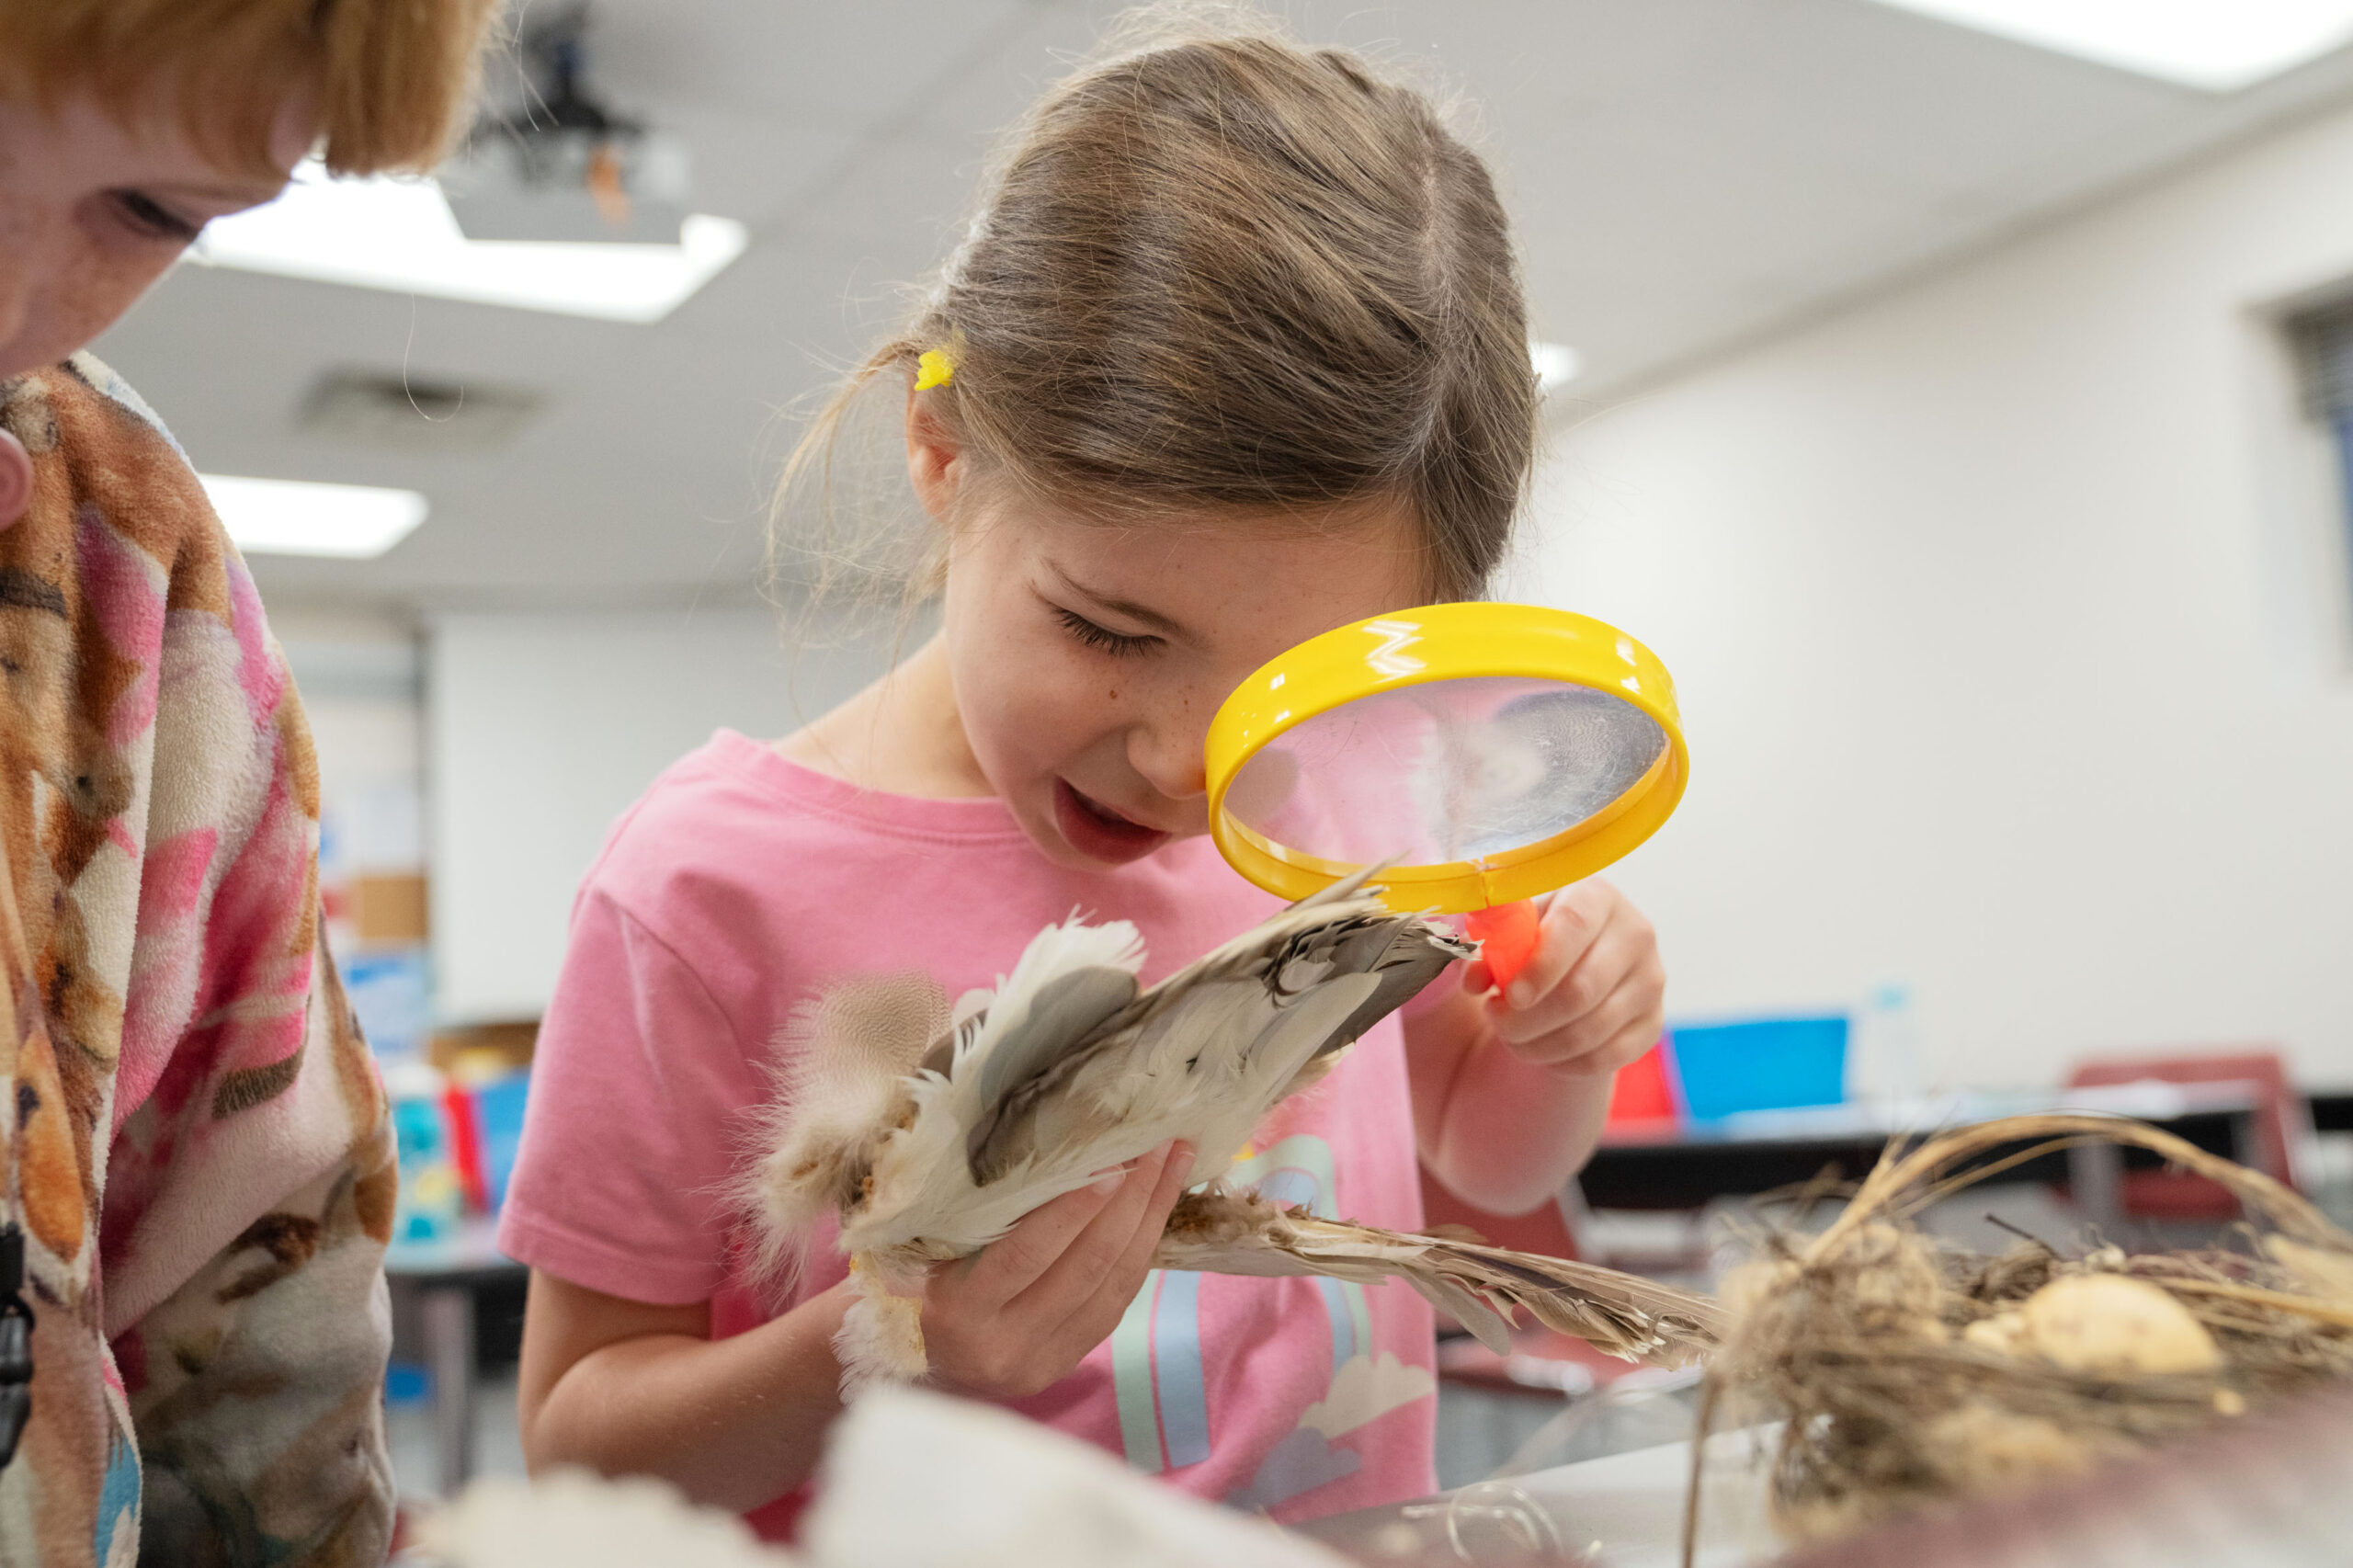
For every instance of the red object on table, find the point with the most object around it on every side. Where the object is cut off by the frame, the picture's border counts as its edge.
(1645, 1087)
(465, 1147)
(1507, 938)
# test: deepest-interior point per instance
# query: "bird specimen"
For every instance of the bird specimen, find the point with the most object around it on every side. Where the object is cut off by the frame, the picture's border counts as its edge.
(909, 1478)
(575, 1518)
(930, 1132)
(913, 1477)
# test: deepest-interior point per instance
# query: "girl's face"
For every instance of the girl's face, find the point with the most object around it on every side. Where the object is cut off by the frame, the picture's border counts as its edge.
(1089, 658)
(91, 212)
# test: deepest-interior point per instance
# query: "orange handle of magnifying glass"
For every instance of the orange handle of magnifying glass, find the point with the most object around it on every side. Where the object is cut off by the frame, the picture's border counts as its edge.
(1507, 938)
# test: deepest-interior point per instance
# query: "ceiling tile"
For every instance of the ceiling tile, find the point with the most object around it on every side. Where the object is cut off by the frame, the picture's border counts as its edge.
(1683, 174)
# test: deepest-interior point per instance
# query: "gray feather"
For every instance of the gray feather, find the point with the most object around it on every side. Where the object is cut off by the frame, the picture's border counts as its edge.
(1404, 968)
(1401, 951)
(1065, 1010)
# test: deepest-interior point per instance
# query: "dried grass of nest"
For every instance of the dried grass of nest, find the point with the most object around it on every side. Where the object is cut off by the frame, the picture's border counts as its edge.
(1861, 1338)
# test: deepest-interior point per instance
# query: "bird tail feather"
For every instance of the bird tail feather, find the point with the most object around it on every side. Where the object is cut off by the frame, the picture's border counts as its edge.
(1624, 1314)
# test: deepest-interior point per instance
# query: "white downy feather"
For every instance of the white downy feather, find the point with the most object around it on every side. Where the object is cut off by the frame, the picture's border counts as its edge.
(880, 1338)
(840, 1068)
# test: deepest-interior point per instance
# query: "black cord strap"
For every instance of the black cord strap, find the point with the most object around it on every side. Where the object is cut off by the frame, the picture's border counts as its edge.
(16, 1342)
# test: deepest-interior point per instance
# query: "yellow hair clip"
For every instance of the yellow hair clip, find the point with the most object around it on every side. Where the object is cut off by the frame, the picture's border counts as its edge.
(934, 368)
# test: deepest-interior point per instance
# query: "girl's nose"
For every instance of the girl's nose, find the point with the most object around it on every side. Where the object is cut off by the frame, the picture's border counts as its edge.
(1169, 758)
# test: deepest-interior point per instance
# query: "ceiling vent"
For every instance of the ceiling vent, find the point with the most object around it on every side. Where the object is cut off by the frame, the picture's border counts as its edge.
(408, 414)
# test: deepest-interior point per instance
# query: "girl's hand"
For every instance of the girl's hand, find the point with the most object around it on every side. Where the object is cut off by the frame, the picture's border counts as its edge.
(1016, 1316)
(1592, 996)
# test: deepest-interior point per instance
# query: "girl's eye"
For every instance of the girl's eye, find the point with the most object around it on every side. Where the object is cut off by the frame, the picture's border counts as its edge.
(153, 219)
(1117, 644)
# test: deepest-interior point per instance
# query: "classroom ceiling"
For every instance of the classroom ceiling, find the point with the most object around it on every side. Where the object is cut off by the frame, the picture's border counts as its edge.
(1686, 175)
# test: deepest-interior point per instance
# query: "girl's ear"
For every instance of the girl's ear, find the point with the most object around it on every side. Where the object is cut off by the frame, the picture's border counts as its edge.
(935, 464)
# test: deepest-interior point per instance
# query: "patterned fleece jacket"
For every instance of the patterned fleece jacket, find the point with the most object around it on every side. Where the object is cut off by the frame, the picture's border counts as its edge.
(198, 1157)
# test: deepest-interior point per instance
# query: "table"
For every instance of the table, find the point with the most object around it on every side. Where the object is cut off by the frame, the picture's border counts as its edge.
(1685, 1164)
(442, 1277)
(2332, 1110)
(1629, 1505)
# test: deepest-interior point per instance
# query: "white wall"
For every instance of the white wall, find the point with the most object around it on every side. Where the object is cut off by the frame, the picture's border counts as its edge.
(360, 676)
(2007, 614)
(371, 781)
(543, 728)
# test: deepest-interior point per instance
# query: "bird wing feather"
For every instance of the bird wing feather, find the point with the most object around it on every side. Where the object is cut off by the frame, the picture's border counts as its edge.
(1068, 1069)
(1182, 1059)
(1292, 965)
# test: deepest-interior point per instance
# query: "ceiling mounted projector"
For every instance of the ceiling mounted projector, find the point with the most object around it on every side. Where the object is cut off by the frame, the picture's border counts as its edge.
(564, 165)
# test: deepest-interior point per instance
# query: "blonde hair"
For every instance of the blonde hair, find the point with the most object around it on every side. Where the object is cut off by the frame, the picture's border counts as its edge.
(1224, 272)
(391, 78)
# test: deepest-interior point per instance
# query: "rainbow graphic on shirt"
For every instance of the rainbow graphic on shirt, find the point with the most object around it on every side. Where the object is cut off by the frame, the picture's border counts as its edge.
(1156, 1355)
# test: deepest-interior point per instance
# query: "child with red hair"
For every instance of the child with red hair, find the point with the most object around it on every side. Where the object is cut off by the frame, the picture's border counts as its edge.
(196, 1183)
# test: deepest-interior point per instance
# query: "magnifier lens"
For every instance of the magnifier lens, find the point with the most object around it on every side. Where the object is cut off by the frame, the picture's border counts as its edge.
(1485, 753)
(1445, 771)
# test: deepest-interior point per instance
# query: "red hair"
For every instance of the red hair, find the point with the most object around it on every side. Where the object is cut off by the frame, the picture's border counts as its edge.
(391, 78)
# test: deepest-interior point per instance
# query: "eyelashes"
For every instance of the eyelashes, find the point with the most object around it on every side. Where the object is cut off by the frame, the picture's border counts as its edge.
(151, 219)
(1102, 638)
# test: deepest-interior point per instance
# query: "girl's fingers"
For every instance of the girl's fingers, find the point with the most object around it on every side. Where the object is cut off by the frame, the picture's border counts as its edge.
(1065, 1284)
(1618, 1050)
(1596, 1042)
(1622, 951)
(1098, 1254)
(1632, 1041)
(1572, 918)
(1096, 1317)
(1136, 1261)
(1101, 1241)
(1015, 1260)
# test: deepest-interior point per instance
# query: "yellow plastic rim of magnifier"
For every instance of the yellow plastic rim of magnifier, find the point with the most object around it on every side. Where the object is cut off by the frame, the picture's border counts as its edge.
(1453, 641)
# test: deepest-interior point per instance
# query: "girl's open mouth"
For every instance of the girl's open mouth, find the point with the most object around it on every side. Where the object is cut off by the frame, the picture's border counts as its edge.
(1098, 832)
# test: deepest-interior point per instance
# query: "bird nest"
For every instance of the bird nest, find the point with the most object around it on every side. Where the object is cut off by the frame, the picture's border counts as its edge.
(1908, 1372)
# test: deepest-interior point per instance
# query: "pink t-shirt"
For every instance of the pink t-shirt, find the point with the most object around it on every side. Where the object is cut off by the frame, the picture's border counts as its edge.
(742, 883)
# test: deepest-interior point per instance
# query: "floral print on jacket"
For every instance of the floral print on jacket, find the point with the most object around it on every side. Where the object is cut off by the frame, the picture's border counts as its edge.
(198, 1157)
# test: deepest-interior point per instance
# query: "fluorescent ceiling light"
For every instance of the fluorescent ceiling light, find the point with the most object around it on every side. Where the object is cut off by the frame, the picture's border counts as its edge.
(1556, 366)
(400, 234)
(2216, 45)
(289, 516)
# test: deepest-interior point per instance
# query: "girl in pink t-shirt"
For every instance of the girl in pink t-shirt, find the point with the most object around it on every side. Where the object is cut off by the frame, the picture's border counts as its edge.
(1234, 354)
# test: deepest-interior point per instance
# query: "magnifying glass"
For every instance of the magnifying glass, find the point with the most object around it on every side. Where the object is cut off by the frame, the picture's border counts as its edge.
(1491, 752)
